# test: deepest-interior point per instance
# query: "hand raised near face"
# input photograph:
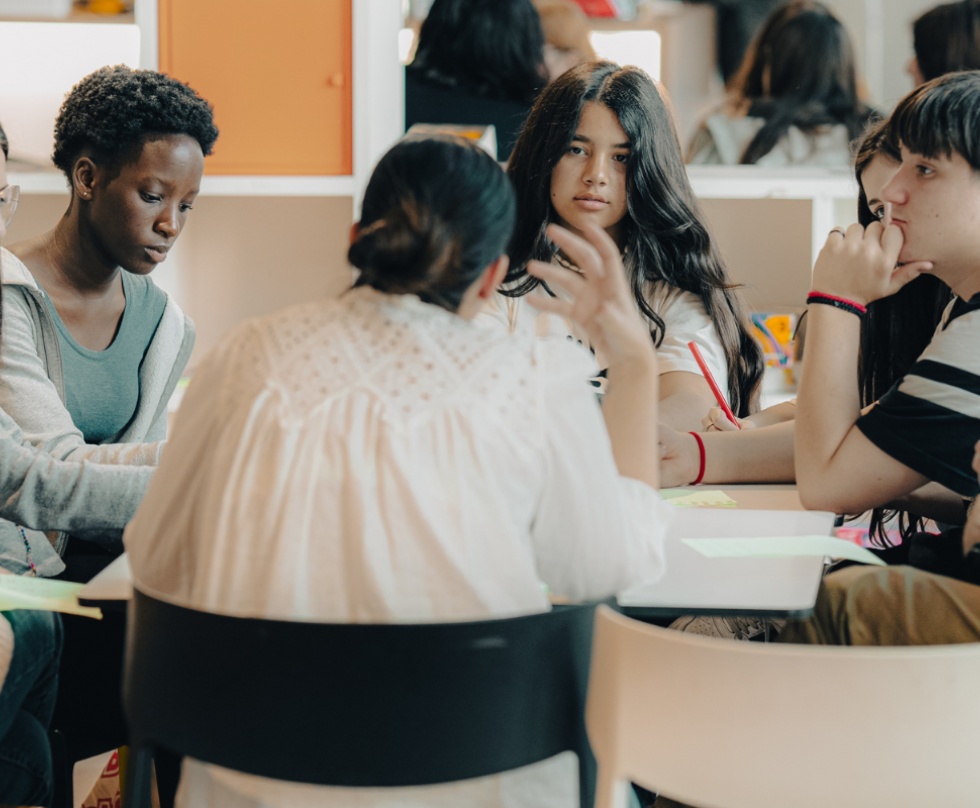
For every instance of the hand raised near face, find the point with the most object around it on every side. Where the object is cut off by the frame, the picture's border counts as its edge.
(600, 297)
(861, 264)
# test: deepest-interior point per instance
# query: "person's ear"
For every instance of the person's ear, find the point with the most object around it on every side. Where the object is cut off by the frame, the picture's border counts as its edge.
(83, 178)
(493, 276)
(354, 230)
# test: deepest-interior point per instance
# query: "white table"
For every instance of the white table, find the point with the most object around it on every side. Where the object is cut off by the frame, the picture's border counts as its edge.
(693, 584)
(755, 587)
(111, 588)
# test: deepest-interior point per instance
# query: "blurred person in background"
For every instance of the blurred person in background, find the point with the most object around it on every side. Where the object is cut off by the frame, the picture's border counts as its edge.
(478, 62)
(566, 36)
(946, 39)
(795, 100)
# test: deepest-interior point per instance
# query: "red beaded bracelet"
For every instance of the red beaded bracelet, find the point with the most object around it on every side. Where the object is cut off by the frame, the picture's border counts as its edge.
(697, 437)
(841, 303)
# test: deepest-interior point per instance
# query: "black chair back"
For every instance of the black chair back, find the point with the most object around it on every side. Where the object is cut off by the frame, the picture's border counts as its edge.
(356, 704)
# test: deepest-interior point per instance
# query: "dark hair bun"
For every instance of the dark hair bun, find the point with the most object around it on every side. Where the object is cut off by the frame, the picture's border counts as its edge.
(436, 211)
(404, 251)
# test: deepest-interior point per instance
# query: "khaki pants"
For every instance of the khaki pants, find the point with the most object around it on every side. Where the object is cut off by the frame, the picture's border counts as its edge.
(889, 606)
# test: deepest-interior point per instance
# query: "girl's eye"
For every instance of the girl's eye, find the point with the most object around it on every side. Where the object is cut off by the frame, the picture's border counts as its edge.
(878, 213)
(925, 171)
(621, 158)
(150, 198)
(576, 150)
(185, 207)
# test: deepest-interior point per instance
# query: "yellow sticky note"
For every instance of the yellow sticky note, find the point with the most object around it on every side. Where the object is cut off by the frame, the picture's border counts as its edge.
(42, 594)
(708, 498)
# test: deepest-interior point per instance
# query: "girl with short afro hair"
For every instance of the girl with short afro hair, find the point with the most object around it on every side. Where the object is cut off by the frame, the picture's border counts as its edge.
(112, 111)
(92, 349)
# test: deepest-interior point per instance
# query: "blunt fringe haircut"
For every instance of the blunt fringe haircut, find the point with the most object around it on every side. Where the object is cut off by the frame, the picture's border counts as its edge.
(895, 331)
(436, 212)
(947, 39)
(491, 48)
(941, 117)
(799, 71)
(664, 236)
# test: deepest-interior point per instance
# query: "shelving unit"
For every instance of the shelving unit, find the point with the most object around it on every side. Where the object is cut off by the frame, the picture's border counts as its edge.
(378, 106)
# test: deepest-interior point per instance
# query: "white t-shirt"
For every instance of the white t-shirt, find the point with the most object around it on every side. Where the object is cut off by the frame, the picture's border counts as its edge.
(683, 313)
(378, 459)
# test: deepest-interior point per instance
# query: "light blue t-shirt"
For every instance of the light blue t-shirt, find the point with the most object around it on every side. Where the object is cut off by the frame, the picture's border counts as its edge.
(102, 388)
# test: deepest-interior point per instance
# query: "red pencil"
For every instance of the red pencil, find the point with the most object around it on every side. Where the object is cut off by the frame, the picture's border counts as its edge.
(712, 383)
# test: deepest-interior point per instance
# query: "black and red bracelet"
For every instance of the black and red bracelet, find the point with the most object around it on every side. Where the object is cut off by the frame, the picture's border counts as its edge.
(697, 437)
(837, 302)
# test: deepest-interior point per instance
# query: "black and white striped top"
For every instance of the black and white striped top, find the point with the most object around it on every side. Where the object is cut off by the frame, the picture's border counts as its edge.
(930, 419)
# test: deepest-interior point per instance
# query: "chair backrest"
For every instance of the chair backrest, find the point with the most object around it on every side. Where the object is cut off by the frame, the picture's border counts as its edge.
(354, 704)
(726, 724)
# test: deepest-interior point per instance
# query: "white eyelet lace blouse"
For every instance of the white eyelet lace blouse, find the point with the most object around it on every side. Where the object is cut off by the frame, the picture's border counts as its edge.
(374, 459)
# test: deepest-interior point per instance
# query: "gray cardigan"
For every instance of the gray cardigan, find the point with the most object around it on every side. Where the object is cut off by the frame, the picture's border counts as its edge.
(32, 389)
(37, 491)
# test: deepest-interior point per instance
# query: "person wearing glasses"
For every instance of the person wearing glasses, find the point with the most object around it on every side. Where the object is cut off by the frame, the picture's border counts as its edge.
(37, 491)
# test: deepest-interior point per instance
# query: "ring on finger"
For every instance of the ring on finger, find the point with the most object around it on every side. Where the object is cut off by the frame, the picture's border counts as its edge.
(839, 231)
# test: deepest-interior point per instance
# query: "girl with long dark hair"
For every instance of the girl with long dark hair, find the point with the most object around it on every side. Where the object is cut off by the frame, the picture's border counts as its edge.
(478, 62)
(600, 148)
(795, 100)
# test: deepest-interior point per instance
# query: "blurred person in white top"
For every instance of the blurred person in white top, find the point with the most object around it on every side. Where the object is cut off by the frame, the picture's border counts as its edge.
(381, 458)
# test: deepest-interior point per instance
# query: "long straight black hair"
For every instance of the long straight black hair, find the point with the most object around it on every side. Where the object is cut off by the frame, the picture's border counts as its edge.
(492, 48)
(896, 329)
(800, 71)
(664, 236)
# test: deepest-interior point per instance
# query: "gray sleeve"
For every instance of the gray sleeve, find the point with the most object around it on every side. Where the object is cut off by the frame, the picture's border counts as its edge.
(41, 492)
(31, 399)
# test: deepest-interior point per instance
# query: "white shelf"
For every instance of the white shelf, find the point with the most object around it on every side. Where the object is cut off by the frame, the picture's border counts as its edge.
(751, 182)
(53, 182)
(278, 186)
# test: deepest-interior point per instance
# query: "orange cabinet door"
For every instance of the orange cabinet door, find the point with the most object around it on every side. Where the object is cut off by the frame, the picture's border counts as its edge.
(278, 75)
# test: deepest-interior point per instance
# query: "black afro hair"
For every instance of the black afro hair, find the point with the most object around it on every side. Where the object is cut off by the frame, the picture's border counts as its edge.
(115, 109)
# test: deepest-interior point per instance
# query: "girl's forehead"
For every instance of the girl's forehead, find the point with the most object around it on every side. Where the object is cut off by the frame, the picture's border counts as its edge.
(602, 120)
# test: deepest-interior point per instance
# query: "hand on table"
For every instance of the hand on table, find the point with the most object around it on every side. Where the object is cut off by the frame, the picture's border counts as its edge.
(680, 458)
(861, 265)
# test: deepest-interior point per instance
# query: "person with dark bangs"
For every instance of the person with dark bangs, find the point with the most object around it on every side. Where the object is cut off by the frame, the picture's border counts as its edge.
(894, 333)
(795, 100)
(600, 148)
(927, 427)
(478, 62)
(946, 39)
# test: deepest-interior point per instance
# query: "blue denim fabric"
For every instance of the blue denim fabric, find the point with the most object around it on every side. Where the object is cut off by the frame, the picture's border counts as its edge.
(26, 704)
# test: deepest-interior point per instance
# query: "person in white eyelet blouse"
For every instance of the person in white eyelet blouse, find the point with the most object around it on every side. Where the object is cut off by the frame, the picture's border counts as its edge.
(377, 458)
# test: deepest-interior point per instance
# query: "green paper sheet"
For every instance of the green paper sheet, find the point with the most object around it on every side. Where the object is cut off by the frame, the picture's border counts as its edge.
(708, 498)
(779, 546)
(42, 594)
